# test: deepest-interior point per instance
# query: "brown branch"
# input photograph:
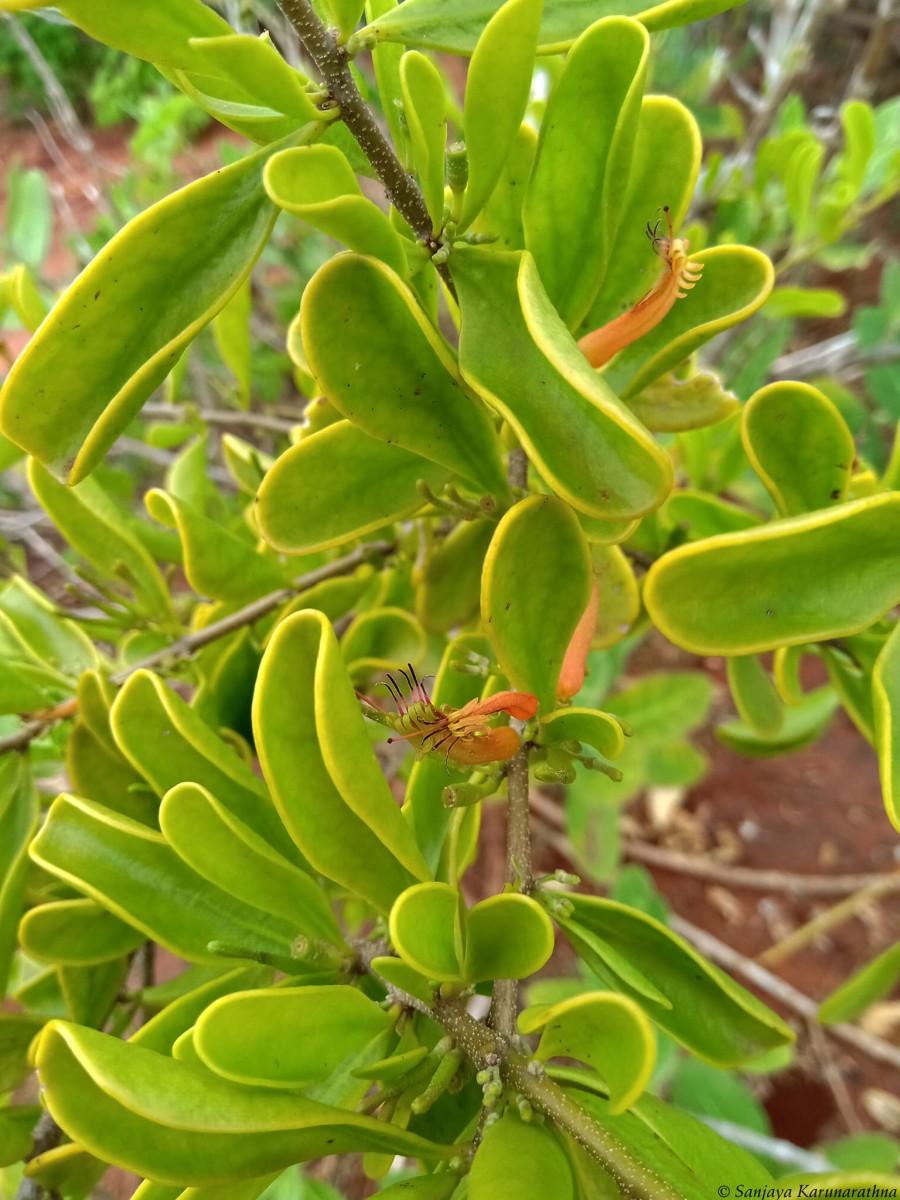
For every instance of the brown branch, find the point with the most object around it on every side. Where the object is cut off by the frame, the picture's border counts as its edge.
(331, 61)
(185, 647)
(46, 1136)
(820, 924)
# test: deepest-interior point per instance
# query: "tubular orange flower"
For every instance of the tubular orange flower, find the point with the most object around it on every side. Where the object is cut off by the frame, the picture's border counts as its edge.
(464, 732)
(678, 277)
(574, 668)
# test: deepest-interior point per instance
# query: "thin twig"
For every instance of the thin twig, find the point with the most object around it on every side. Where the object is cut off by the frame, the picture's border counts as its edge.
(331, 61)
(820, 924)
(67, 119)
(185, 647)
(218, 416)
(784, 993)
(749, 877)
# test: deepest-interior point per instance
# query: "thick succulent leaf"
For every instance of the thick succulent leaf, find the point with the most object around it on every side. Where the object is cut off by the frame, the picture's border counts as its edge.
(16, 1125)
(67, 1170)
(132, 871)
(538, 563)
(160, 35)
(708, 1012)
(573, 204)
(822, 575)
(427, 928)
(804, 722)
(355, 314)
(19, 813)
(799, 445)
(305, 505)
(604, 1030)
(886, 709)
(837, 1182)
(91, 992)
(498, 84)
(248, 1189)
(179, 1124)
(85, 518)
(702, 514)
(434, 25)
(147, 715)
(851, 669)
(356, 837)
(507, 937)
(221, 848)
(664, 169)
(403, 976)
(501, 217)
(164, 1029)
(596, 729)
(425, 107)
(755, 695)
(53, 640)
(423, 807)
(75, 933)
(378, 639)
(618, 595)
(317, 184)
(670, 405)
(736, 281)
(686, 1157)
(119, 329)
(521, 1160)
(287, 1037)
(243, 81)
(17, 1032)
(218, 564)
(864, 988)
(448, 590)
(423, 1187)
(587, 446)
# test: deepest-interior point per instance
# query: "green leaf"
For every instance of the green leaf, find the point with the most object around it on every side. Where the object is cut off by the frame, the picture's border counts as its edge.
(221, 848)
(618, 595)
(822, 575)
(799, 445)
(537, 564)
(147, 715)
(422, 1187)
(706, 1091)
(836, 1182)
(251, 1037)
(886, 708)
(308, 726)
(355, 314)
(862, 1151)
(508, 936)
(116, 333)
(304, 505)
(91, 524)
(736, 281)
(165, 1028)
(607, 1032)
(19, 813)
(863, 989)
(160, 36)
(29, 217)
(179, 1124)
(132, 871)
(498, 84)
(75, 933)
(708, 1012)
(704, 514)
(231, 330)
(573, 205)
(24, 298)
(805, 302)
(671, 405)
(501, 216)
(90, 993)
(587, 446)
(16, 1126)
(754, 694)
(218, 564)
(435, 25)
(376, 640)
(804, 723)
(521, 1160)
(427, 929)
(317, 184)
(425, 107)
(447, 593)
(17, 1032)
(597, 729)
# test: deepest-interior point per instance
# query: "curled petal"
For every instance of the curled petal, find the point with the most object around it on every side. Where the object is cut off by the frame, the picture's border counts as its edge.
(496, 745)
(521, 705)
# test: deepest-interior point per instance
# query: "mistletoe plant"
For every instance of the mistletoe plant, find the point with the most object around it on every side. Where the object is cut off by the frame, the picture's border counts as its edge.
(476, 481)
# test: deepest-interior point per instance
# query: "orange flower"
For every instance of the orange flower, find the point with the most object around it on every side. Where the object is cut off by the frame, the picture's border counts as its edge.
(465, 732)
(574, 668)
(678, 277)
